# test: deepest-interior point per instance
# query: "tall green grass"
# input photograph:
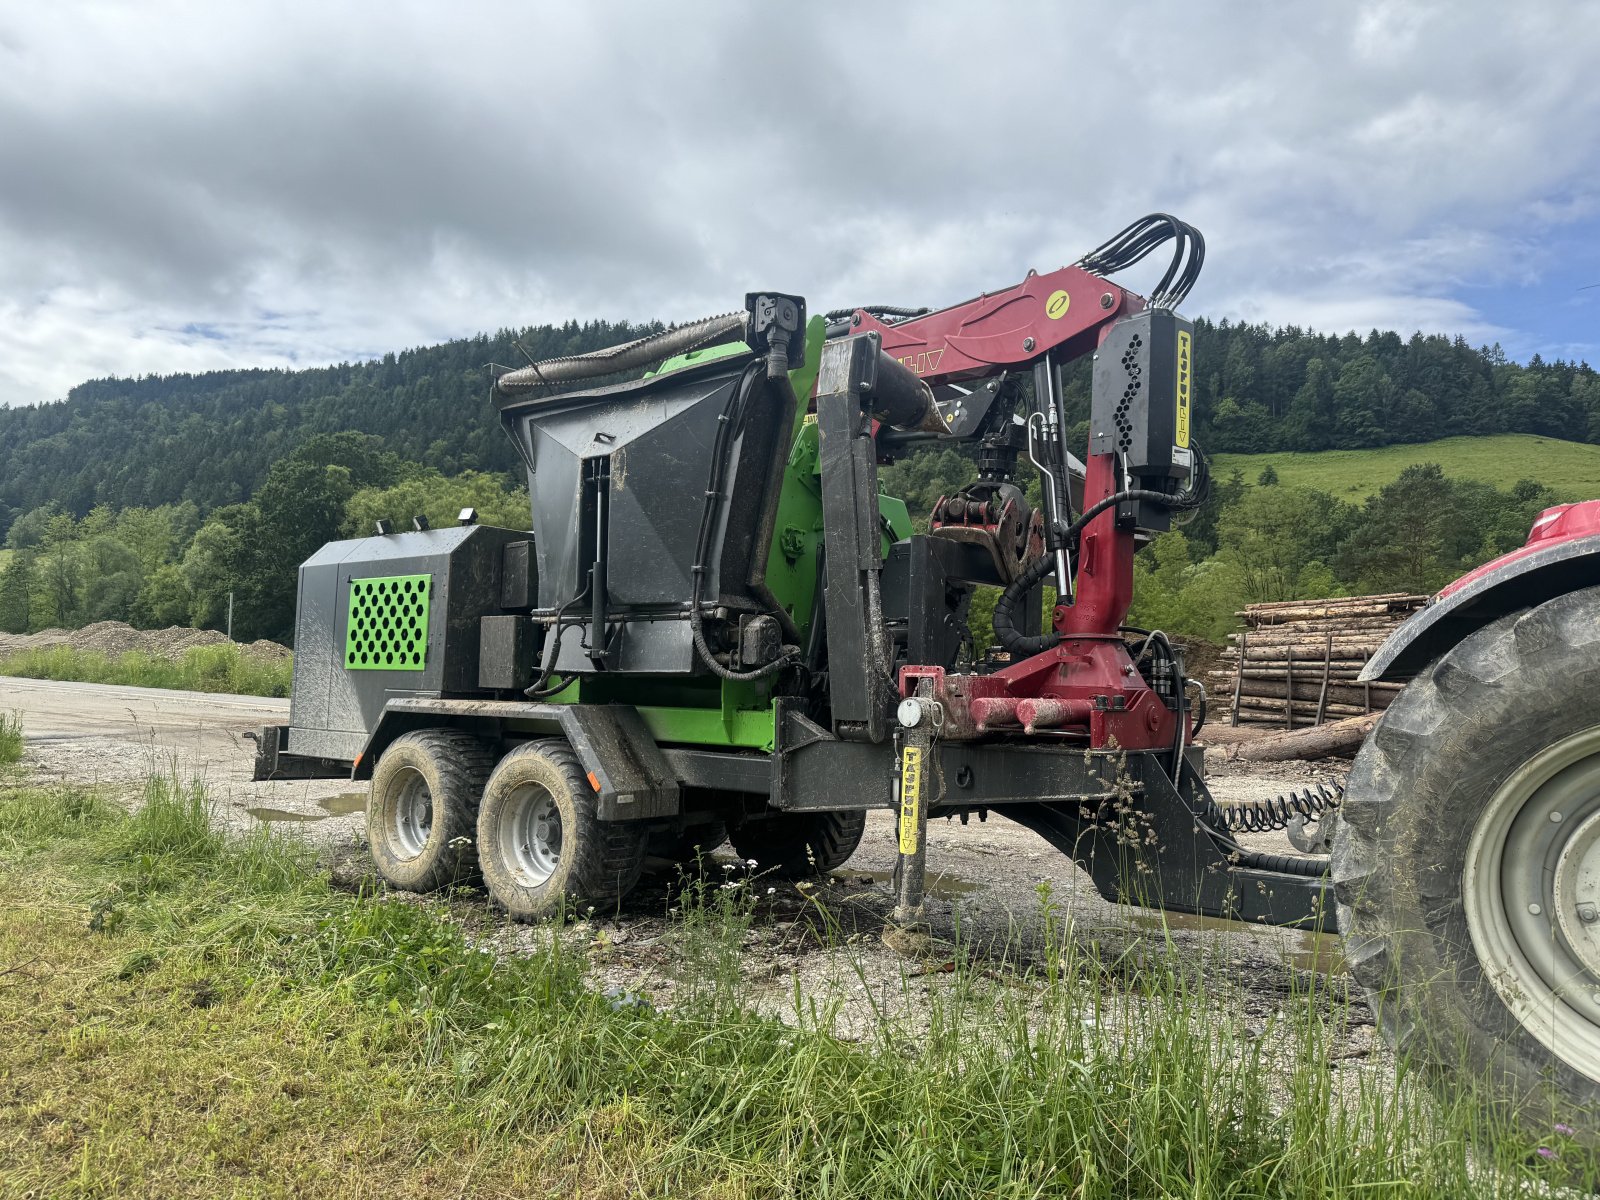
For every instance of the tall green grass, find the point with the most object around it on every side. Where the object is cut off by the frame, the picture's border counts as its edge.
(1060, 1073)
(10, 738)
(220, 668)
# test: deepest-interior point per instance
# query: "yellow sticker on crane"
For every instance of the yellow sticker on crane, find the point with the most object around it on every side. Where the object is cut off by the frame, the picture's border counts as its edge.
(1181, 436)
(1056, 307)
(910, 798)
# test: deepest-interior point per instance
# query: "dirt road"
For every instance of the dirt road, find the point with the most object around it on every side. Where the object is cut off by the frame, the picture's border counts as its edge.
(985, 879)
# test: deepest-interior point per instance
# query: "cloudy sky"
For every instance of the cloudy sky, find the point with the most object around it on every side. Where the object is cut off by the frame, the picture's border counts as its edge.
(190, 186)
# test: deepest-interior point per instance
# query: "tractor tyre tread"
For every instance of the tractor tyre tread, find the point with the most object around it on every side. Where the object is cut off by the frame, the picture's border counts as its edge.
(1415, 793)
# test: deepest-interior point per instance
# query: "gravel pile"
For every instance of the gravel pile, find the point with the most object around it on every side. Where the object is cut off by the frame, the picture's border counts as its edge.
(113, 638)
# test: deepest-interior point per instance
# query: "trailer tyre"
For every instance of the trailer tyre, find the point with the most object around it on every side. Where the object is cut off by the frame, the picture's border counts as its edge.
(687, 850)
(541, 844)
(422, 810)
(795, 845)
(1467, 864)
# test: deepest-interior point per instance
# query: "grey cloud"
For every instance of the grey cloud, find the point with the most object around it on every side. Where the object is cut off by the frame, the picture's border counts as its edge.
(387, 177)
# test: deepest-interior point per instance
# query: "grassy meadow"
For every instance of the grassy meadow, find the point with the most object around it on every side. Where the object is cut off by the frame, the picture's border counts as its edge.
(183, 1014)
(1571, 469)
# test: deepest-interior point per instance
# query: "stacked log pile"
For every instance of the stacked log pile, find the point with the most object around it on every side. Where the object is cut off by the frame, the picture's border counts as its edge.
(1295, 664)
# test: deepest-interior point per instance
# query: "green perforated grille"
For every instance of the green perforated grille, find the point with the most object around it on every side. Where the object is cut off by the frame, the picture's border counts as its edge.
(388, 625)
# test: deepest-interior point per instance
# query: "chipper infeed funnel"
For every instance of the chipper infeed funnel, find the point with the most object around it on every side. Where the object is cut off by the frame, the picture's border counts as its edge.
(635, 485)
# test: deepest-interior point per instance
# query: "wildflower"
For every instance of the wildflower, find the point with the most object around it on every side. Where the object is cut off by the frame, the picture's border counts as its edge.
(1566, 1129)
(730, 866)
(752, 864)
(774, 892)
(1546, 1152)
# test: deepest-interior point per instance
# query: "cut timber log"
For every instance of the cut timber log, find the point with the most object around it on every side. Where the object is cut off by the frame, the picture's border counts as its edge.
(1305, 711)
(1337, 653)
(1225, 735)
(1304, 668)
(1296, 663)
(1319, 741)
(1330, 624)
(1320, 613)
(1403, 599)
(1339, 691)
(1295, 635)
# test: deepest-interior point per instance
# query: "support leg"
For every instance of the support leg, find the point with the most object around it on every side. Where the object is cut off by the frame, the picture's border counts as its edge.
(916, 768)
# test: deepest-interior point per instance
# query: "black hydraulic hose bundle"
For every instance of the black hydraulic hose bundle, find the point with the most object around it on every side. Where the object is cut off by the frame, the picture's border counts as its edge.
(729, 423)
(1139, 239)
(541, 689)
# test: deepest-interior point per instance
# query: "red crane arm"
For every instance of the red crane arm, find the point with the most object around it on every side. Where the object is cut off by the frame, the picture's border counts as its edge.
(1065, 310)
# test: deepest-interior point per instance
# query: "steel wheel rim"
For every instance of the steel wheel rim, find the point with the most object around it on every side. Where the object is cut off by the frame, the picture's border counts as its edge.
(530, 835)
(1531, 892)
(411, 816)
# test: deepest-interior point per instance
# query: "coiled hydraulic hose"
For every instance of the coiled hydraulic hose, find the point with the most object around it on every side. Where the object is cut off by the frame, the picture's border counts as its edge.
(1265, 816)
(1222, 823)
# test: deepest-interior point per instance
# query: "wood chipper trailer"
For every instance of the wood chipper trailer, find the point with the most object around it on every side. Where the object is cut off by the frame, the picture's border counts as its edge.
(718, 626)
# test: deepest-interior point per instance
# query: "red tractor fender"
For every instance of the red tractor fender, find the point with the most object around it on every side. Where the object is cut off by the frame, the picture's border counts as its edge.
(1562, 554)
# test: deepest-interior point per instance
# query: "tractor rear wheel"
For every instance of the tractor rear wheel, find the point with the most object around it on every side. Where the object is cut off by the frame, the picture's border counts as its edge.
(422, 812)
(541, 843)
(1467, 863)
(795, 845)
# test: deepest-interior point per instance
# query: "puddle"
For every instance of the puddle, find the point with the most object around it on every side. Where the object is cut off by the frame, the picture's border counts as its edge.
(283, 814)
(940, 887)
(342, 805)
(1318, 952)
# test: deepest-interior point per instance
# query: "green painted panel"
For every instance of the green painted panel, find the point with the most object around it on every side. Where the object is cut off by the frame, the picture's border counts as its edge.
(695, 358)
(387, 625)
(710, 726)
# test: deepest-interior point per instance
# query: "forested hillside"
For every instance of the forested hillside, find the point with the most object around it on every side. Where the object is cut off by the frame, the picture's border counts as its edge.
(1263, 389)
(154, 500)
(209, 439)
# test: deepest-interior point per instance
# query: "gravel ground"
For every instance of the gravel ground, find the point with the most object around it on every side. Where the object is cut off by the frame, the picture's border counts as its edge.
(817, 942)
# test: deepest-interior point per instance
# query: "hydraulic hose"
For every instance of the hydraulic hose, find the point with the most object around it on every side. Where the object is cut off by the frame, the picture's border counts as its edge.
(1005, 628)
(729, 423)
(1069, 534)
(642, 352)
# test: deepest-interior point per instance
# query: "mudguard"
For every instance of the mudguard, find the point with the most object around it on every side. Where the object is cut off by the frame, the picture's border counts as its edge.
(1562, 554)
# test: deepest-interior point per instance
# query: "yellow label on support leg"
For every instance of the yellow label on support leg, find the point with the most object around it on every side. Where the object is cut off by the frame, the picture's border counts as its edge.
(1185, 367)
(910, 798)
